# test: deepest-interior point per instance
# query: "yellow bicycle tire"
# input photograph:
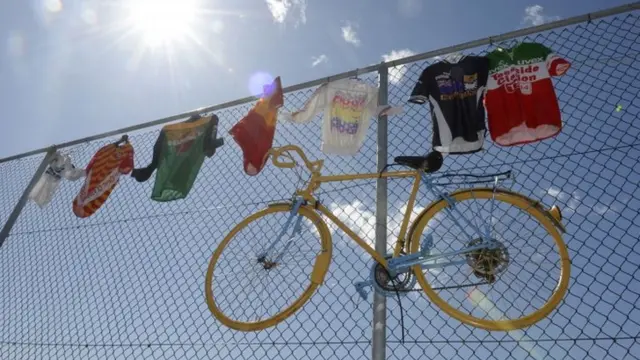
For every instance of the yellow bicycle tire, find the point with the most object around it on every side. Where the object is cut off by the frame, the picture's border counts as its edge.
(317, 276)
(523, 203)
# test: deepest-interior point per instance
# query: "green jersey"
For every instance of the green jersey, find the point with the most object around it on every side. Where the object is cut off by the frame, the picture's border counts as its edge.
(178, 155)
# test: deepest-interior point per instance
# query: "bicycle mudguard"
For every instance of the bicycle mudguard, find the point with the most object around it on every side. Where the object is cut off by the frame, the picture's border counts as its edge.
(552, 213)
(289, 204)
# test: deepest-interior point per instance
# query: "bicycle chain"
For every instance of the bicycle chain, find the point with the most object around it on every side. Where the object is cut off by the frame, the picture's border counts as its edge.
(443, 287)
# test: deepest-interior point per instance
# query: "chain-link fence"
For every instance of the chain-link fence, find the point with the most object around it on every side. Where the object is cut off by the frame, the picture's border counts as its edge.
(127, 282)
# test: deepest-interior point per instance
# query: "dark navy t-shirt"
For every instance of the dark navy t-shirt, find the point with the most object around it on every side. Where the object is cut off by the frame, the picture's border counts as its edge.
(455, 92)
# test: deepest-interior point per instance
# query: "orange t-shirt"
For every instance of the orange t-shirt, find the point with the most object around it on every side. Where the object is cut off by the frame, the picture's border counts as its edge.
(103, 174)
(254, 133)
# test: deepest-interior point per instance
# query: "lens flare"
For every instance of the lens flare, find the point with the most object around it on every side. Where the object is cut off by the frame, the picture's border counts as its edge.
(257, 81)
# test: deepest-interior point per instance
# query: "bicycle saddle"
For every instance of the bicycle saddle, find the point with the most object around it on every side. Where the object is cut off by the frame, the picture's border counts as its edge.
(429, 163)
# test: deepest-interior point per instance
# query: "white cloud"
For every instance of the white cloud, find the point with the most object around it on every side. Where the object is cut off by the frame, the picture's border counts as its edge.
(281, 9)
(350, 35)
(397, 73)
(358, 218)
(534, 15)
(451, 57)
(319, 60)
(553, 191)
(557, 193)
(600, 209)
(362, 220)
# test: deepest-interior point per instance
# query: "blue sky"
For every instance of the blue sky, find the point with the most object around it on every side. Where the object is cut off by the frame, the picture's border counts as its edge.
(72, 68)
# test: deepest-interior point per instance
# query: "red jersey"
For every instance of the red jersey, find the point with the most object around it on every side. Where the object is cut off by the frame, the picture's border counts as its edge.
(520, 100)
(254, 133)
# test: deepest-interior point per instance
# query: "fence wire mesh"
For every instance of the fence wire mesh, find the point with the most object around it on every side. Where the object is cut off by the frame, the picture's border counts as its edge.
(15, 177)
(590, 170)
(128, 281)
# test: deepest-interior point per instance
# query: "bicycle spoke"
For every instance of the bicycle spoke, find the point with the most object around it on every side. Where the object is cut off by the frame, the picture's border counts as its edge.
(522, 213)
(454, 218)
(488, 234)
(260, 291)
(487, 222)
(304, 256)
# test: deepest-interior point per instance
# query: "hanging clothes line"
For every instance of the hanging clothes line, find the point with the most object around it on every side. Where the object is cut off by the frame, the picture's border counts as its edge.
(589, 17)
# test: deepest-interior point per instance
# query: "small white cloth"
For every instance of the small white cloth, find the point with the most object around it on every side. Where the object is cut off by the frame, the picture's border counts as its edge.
(59, 167)
(348, 105)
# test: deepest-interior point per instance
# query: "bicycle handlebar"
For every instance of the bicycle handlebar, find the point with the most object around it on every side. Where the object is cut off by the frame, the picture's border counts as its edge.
(313, 166)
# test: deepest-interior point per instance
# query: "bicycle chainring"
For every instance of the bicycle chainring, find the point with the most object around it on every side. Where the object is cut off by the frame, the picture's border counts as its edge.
(401, 283)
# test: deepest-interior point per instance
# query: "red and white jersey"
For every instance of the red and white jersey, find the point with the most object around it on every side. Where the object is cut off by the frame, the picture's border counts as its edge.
(520, 100)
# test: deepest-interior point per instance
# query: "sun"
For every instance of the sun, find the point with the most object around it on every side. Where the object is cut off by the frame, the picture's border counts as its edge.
(161, 22)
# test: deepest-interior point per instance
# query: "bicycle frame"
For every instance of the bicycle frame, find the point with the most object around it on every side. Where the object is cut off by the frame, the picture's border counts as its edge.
(397, 262)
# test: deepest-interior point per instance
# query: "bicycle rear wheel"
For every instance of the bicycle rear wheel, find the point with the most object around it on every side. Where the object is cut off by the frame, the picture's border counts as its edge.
(249, 290)
(491, 289)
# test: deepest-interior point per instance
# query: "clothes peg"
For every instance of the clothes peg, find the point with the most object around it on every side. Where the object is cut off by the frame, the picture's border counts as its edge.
(123, 139)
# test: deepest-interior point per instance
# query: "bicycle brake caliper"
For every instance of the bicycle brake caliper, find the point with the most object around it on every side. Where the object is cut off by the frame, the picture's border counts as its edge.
(426, 244)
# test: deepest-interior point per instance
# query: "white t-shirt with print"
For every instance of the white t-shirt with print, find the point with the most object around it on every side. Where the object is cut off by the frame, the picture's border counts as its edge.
(348, 106)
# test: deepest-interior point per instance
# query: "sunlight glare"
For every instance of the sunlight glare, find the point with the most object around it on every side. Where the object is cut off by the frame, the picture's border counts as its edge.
(162, 22)
(257, 82)
(53, 6)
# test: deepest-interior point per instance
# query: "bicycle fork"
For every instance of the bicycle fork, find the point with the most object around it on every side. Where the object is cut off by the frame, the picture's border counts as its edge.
(262, 257)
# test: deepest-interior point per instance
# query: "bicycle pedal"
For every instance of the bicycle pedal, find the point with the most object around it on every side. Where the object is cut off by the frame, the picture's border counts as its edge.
(360, 288)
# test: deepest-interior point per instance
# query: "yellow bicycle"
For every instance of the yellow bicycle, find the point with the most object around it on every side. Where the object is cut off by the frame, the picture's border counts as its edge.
(291, 242)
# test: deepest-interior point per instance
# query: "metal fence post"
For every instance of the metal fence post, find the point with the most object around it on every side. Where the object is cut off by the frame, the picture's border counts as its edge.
(379, 340)
(6, 229)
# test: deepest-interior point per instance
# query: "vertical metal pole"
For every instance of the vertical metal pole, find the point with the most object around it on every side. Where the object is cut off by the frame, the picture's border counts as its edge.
(6, 229)
(379, 339)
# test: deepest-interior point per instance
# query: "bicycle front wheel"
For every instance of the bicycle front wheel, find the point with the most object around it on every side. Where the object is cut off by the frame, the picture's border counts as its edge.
(263, 271)
(513, 285)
